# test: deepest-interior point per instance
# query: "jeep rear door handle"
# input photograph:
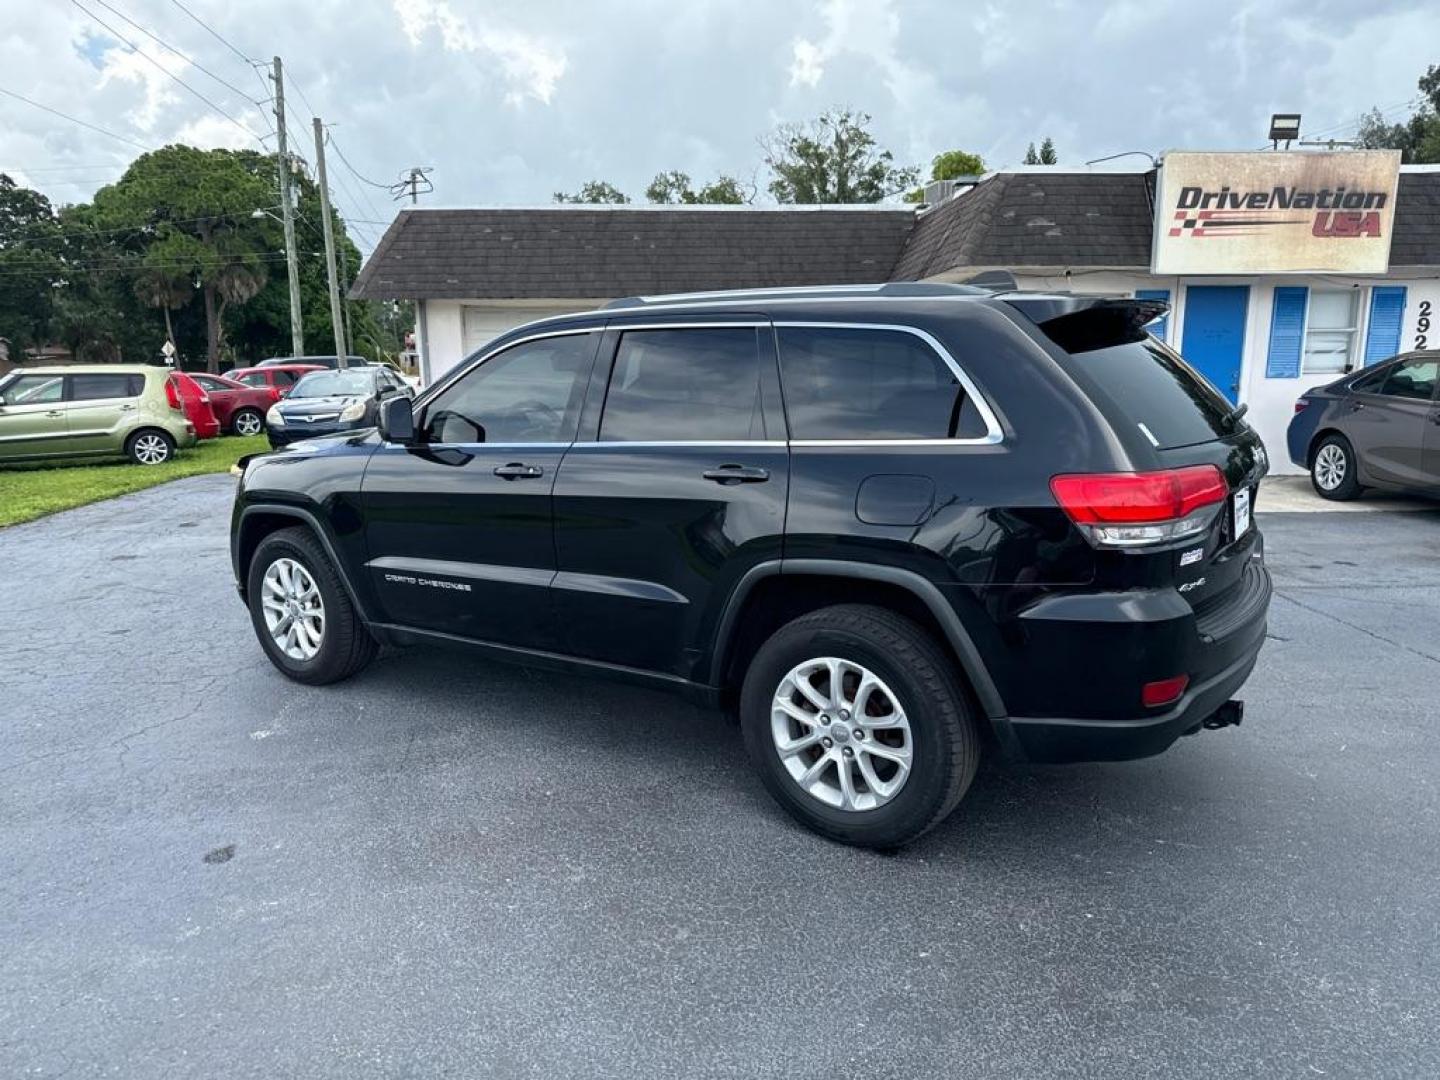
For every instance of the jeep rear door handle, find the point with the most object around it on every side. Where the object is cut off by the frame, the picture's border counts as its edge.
(737, 474)
(516, 471)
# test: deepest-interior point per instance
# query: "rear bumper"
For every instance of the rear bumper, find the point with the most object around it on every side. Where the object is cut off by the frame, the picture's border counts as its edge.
(1059, 740)
(1217, 649)
(1299, 434)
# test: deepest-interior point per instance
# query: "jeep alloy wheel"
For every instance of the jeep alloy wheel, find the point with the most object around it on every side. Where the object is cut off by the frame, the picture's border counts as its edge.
(841, 734)
(294, 611)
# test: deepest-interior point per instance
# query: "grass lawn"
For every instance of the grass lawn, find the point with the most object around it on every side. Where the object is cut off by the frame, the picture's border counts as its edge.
(31, 491)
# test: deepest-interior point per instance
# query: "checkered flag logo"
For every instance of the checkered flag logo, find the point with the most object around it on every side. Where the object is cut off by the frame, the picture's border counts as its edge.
(1185, 222)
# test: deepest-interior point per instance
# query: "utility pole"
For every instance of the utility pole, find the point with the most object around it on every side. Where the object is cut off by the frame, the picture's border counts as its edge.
(297, 325)
(337, 315)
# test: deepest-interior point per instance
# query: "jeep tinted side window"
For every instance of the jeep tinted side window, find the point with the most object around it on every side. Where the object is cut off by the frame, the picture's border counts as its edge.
(853, 384)
(690, 385)
(529, 393)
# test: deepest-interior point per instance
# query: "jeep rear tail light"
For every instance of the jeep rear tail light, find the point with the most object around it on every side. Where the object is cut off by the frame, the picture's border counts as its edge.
(172, 393)
(1122, 510)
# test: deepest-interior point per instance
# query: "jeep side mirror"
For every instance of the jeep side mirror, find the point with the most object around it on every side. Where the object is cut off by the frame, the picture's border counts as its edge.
(396, 421)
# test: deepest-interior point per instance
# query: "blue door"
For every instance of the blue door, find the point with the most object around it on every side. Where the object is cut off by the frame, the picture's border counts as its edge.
(1214, 339)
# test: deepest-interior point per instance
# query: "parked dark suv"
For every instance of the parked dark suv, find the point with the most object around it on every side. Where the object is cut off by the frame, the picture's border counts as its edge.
(889, 525)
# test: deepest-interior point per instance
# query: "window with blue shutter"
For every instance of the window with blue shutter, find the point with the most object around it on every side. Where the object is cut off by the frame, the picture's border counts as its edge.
(1287, 332)
(1387, 312)
(1161, 326)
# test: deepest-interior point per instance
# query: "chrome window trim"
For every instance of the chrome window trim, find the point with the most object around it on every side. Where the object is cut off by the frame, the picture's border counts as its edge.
(993, 435)
(470, 447)
(993, 432)
(736, 444)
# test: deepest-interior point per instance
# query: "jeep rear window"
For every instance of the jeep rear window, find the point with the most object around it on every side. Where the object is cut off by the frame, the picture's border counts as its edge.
(1138, 380)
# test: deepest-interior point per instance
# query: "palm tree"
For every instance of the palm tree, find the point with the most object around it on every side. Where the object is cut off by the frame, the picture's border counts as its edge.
(157, 289)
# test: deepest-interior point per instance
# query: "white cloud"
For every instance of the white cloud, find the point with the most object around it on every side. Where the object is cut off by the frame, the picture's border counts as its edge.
(531, 67)
(808, 67)
(123, 65)
(511, 100)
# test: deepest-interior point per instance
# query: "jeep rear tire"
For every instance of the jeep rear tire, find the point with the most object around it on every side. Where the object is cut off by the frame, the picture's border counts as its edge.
(301, 611)
(859, 725)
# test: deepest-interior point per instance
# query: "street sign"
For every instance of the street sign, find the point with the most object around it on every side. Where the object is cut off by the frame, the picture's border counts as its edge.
(169, 350)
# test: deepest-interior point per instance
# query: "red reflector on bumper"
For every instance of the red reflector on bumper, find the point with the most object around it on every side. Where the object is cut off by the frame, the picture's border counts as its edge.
(1164, 691)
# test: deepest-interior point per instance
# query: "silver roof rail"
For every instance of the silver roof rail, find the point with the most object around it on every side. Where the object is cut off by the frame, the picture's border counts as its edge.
(917, 289)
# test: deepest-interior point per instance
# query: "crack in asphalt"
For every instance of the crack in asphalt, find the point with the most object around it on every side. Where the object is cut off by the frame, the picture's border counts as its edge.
(1360, 629)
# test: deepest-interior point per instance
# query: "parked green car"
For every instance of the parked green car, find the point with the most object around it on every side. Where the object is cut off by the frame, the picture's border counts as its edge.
(91, 410)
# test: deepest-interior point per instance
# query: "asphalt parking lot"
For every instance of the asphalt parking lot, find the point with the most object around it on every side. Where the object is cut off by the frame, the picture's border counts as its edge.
(451, 868)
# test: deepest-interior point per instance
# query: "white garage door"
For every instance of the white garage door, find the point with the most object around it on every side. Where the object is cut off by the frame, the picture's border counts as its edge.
(481, 324)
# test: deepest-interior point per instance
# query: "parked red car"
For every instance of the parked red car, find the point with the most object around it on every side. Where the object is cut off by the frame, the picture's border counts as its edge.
(240, 408)
(184, 393)
(277, 377)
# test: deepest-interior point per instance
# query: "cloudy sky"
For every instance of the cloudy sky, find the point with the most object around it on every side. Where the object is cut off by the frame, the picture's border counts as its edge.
(511, 100)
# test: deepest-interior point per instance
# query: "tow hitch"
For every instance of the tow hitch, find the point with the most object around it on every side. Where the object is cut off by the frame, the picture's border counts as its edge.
(1232, 712)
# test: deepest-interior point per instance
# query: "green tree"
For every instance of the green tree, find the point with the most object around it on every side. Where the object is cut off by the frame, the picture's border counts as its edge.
(159, 285)
(30, 264)
(1418, 138)
(674, 187)
(950, 165)
(1044, 156)
(833, 159)
(197, 205)
(594, 191)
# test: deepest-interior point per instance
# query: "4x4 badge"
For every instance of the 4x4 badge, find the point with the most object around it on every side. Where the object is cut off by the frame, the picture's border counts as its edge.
(1192, 584)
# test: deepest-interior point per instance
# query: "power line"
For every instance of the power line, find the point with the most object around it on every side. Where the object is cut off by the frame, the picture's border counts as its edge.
(212, 31)
(85, 231)
(73, 119)
(188, 59)
(117, 266)
(346, 162)
(169, 74)
(27, 169)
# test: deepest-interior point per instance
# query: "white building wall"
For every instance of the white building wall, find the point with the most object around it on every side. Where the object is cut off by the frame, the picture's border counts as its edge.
(456, 328)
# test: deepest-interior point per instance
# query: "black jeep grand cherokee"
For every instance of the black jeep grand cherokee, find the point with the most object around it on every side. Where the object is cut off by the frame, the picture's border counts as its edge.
(890, 524)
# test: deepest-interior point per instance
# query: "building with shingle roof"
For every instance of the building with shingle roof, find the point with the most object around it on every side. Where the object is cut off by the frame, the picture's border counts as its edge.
(476, 273)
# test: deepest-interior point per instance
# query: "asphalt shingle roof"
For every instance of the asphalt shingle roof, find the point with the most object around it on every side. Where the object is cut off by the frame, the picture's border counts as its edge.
(1036, 219)
(1417, 221)
(1011, 220)
(578, 252)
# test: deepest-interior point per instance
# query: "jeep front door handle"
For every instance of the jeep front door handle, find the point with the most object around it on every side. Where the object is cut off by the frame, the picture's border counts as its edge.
(737, 474)
(516, 471)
